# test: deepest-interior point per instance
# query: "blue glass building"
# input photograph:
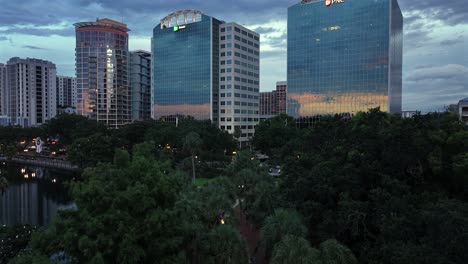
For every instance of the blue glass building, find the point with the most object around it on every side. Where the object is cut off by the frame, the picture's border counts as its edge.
(185, 48)
(344, 56)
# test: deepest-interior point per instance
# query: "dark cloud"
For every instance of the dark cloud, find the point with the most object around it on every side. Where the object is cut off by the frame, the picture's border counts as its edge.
(3, 38)
(451, 42)
(70, 31)
(33, 47)
(450, 12)
(263, 30)
(276, 42)
(457, 73)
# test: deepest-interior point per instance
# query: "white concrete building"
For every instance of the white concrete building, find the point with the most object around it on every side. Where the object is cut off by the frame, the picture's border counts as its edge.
(66, 92)
(31, 91)
(239, 79)
(463, 110)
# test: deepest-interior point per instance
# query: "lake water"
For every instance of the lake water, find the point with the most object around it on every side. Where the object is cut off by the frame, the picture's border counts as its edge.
(34, 195)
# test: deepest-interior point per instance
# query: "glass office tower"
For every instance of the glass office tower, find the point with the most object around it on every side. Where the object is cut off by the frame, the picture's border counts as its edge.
(185, 48)
(344, 56)
(103, 92)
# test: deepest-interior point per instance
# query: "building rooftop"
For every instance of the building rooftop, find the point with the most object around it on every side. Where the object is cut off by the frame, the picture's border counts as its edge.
(105, 22)
(181, 17)
(464, 100)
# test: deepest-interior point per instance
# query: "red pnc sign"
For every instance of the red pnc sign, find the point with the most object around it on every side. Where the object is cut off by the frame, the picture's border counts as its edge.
(331, 2)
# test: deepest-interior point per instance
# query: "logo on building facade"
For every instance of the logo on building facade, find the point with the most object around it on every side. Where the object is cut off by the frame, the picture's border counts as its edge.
(332, 2)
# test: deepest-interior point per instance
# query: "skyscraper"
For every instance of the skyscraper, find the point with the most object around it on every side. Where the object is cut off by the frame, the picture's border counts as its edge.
(344, 57)
(208, 69)
(102, 57)
(31, 91)
(140, 84)
(66, 92)
(3, 89)
(239, 80)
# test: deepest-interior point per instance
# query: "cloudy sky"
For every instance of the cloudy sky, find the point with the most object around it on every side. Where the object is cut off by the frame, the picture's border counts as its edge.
(435, 71)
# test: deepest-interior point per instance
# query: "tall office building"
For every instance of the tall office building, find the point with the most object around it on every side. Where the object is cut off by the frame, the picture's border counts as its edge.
(273, 103)
(208, 69)
(140, 84)
(66, 92)
(31, 91)
(344, 56)
(103, 91)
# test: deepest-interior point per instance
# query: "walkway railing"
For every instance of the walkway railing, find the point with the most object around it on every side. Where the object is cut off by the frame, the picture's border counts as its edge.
(43, 162)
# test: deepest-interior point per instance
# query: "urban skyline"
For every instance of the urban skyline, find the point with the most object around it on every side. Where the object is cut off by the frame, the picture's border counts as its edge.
(434, 72)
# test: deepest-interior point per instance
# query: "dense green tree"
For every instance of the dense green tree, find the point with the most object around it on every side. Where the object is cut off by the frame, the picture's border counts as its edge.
(279, 225)
(8, 150)
(70, 127)
(274, 133)
(224, 244)
(332, 252)
(91, 150)
(192, 144)
(293, 249)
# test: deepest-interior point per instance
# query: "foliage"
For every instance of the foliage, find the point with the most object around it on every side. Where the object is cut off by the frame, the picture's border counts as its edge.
(69, 127)
(192, 144)
(391, 189)
(279, 225)
(293, 249)
(13, 240)
(141, 212)
(224, 244)
(91, 150)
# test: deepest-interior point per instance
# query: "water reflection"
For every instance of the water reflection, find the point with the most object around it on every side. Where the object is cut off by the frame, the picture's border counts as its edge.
(34, 195)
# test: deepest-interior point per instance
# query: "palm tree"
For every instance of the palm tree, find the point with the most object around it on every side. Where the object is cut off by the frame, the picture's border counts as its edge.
(192, 144)
(297, 250)
(277, 226)
(224, 244)
(3, 184)
(332, 252)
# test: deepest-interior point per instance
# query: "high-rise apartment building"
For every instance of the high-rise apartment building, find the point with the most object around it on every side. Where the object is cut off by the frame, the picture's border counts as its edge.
(208, 69)
(344, 57)
(102, 78)
(273, 103)
(66, 92)
(31, 91)
(140, 84)
(3, 89)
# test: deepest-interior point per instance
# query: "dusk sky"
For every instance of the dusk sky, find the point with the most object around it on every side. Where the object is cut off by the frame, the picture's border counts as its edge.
(435, 58)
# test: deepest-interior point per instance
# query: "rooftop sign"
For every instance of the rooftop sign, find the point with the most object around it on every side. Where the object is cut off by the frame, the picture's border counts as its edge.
(331, 2)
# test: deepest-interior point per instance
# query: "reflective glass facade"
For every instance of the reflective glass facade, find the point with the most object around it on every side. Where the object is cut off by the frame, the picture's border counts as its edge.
(345, 57)
(186, 69)
(102, 79)
(140, 84)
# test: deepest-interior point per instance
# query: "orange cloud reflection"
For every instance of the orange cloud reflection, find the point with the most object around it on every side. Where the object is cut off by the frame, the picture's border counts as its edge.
(200, 111)
(328, 104)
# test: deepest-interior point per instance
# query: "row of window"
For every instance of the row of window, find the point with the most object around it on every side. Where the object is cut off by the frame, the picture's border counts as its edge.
(248, 42)
(239, 103)
(237, 46)
(238, 30)
(240, 87)
(239, 119)
(238, 95)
